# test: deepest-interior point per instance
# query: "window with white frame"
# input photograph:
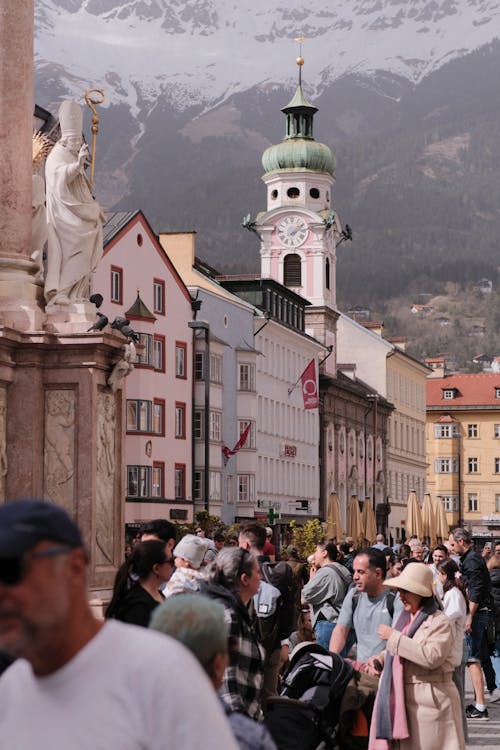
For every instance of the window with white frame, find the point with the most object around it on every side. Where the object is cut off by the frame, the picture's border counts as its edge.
(138, 481)
(444, 430)
(497, 392)
(497, 503)
(229, 489)
(448, 394)
(158, 416)
(116, 285)
(215, 426)
(158, 482)
(472, 430)
(472, 502)
(138, 415)
(472, 465)
(146, 341)
(497, 465)
(180, 420)
(197, 485)
(246, 485)
(180, 359)
(214, 485)
(246, 376)
(199, 360)
(198, 424)
(180, 481)
(159, 296)
(450, 503)
(159, 353)
(215, 368)
(242, 425)
(496, 430)
(445, 465)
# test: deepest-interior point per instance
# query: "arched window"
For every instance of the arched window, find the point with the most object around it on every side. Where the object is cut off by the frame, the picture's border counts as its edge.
(292, 271)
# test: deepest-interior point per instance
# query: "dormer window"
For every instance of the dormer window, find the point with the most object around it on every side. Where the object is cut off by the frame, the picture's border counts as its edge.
(450, 393)
(497, 392)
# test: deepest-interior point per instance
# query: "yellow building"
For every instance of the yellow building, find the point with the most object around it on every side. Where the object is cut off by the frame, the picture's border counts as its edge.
(463, 448)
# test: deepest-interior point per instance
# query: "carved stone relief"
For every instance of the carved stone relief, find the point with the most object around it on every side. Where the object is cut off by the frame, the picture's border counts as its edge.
(3, 442)
(105, 480)
(59, 448)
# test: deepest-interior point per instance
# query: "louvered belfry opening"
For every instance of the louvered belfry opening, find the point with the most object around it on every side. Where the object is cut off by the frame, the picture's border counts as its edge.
(292, 272)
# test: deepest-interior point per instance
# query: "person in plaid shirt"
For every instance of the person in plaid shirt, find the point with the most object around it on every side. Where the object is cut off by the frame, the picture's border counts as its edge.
(233, 579)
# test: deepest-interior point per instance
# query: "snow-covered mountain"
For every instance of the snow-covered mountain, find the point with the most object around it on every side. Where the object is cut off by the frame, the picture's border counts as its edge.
(194, 52)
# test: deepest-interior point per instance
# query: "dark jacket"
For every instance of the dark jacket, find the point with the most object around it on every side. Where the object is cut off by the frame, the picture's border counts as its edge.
(135, 607)
(495, 591)
(476, 578)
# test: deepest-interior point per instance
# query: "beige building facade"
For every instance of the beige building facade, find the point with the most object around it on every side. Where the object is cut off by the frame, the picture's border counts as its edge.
(463, 449)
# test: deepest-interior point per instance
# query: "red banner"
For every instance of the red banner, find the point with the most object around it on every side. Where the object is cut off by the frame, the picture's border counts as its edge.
(310, 386)
(227, 452)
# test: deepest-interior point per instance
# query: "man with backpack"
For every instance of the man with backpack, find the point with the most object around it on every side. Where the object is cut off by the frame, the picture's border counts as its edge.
(273, 605)
(326, 590)
(367, 605)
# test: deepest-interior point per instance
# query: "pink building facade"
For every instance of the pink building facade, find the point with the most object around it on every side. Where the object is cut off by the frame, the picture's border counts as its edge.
(138, 281)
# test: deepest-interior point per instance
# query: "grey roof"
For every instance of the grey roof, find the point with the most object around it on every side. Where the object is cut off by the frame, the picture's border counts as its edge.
(115, 221)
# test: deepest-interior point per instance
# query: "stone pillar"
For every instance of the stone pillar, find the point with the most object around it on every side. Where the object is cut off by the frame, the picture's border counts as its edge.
(64, 437)
(20, 295)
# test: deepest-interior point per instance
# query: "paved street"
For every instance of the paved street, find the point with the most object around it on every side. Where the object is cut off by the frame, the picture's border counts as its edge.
(484, 734)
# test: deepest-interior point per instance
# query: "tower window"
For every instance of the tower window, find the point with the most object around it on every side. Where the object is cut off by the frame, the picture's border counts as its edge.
(274, 194)
(314, 193)
(292, 271)
(293, 192)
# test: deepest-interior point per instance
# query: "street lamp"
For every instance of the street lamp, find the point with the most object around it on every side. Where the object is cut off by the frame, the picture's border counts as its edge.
(201, 325)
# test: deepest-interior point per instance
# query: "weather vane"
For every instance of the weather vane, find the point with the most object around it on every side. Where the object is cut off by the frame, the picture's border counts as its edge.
(90, 102)
(300, 59)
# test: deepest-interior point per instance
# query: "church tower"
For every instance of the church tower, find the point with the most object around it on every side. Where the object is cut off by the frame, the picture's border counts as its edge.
(298, 231)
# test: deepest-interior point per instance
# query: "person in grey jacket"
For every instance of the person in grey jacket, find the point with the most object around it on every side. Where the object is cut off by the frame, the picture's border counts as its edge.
(326, 590)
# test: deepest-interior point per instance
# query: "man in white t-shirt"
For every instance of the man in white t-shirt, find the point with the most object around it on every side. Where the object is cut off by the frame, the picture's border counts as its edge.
(366, 606)
(80, 683)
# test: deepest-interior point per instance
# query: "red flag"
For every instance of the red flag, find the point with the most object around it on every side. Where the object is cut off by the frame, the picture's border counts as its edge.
(310, 386)
(227, 452)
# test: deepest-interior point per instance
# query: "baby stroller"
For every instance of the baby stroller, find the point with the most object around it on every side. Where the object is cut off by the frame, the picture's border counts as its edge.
(325, 704)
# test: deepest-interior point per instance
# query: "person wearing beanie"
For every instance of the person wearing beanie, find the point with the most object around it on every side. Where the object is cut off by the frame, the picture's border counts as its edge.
(189, 554)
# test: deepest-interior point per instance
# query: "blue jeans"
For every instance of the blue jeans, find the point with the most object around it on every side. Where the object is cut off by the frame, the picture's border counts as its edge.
(323, 630)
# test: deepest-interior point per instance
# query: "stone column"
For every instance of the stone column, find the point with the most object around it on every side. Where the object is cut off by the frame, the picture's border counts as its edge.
(20, 295)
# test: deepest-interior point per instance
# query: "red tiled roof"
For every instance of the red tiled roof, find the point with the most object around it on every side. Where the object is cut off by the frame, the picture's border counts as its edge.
(476, 389)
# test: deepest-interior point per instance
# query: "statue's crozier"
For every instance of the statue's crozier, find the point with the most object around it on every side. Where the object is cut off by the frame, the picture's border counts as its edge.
(74, 218)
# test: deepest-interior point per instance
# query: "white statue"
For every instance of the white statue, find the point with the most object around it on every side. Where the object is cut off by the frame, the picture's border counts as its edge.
(74, 218)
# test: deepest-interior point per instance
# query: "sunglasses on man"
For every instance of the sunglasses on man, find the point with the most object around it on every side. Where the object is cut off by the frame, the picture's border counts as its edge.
(14, 569)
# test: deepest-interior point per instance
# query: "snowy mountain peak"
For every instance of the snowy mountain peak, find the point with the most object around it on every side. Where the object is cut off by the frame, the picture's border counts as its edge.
(194, 52)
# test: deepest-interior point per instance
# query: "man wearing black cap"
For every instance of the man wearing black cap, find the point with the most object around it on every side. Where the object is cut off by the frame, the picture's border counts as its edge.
(80, 683)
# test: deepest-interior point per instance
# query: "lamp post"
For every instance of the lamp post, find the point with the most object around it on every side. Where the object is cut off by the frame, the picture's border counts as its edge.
(201, 325)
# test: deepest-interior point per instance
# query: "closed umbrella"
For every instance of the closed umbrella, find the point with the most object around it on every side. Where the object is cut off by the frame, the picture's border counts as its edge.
(333, 517)
(413, 516)
(354, 522)
(429, 520)
(442, 527)
(368, 520)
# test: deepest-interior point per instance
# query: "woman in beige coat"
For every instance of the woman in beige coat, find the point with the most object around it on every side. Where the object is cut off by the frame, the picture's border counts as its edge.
(417, 706)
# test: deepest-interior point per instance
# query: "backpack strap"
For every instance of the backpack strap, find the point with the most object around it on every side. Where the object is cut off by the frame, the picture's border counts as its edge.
(391, 595)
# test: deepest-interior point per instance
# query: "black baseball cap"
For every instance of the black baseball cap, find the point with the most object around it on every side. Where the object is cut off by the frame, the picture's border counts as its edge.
(25, 523)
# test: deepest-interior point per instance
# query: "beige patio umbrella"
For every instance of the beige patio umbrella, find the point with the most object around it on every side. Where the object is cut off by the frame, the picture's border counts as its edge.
(413, 516)
(354, 522)
(442, 527)
(368, 520)
(333, 517)
(429, 520)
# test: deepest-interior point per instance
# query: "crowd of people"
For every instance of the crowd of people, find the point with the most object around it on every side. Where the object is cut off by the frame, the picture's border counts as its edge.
(410, 619)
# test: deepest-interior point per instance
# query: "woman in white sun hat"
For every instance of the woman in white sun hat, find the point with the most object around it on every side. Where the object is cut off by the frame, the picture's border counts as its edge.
(417, 705)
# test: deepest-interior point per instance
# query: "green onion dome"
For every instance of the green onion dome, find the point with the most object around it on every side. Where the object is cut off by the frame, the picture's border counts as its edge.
(299, 153)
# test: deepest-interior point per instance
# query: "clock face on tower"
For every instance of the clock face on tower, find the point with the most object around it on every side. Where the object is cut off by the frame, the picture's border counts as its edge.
(292, 231)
